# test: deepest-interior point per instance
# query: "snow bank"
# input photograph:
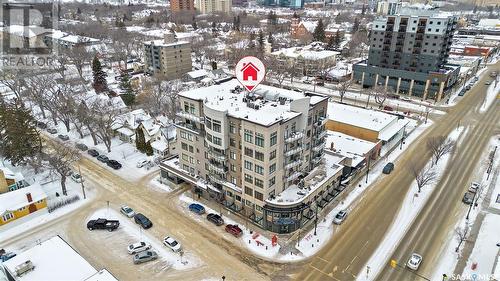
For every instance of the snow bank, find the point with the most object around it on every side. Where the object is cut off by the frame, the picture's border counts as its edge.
(412, 204)
(491, 95)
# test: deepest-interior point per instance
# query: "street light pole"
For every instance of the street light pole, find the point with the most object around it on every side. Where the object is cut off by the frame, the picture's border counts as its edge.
(81, 181)
(316, 220)
(368, 168)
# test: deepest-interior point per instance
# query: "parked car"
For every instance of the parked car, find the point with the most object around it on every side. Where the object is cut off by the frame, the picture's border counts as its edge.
(414, 261)
(493, 74)
(103, 158)
(76, 177)
(7, 256)
(138, 247)
(488, 82)
(388, 168)
(388, 108)
(172, 244)
(340, 217)
(81, 146)
(52, 131)
(63, 137)
(197, 208)
(468, 198)
(127, 211)
(468, 87)
(215, 219)
(474, 186)
(462, 92)
(143, 163)
(143, 221)
(234, 229)
(145, 256)
(41, 125)
(114, 164)
(93, 152)
(103, 224)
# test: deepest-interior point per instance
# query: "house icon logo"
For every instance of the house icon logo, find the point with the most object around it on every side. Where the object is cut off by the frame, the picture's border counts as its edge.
(250, 71)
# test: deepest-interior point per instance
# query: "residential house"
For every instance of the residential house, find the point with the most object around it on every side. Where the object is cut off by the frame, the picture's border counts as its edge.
(160, 133)
(21, 202)
(9, 181)
(126, 125)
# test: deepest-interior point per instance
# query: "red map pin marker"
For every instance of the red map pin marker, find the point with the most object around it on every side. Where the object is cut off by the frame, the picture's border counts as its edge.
(250, 71)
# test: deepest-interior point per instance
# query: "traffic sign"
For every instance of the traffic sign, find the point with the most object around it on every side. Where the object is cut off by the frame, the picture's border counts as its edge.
(394, 263)
(250, 71)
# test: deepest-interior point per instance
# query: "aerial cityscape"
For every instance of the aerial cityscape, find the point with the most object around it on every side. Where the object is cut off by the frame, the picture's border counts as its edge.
(248, 140)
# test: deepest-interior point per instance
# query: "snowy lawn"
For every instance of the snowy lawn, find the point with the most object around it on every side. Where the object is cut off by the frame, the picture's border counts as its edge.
(255, 242)
(129, 232)
(449, 257)
(156, 184)
(491, 95)
(410, 208)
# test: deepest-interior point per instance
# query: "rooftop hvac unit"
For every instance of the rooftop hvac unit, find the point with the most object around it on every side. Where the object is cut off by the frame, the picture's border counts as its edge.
(24, 267)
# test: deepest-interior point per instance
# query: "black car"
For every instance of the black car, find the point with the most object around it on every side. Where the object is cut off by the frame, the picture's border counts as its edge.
(81, 146)
(103, 158)
(388, 168)
(93, 152)
(215, 219)
(143, 221)
(63, 137)
(114, 164)
(109, 225)
(52, 130)
(41, 125)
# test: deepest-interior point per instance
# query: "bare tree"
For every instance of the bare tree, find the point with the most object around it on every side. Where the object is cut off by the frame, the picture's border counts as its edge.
(13, 79)
(58, 159)
(37, 88)
(423, 176)
(342, 87)
(161, 97)
(380, 94)
(276, 69)
(105, 117)
(79, 57)
(461, 235)
(64, 103)
(439, 146)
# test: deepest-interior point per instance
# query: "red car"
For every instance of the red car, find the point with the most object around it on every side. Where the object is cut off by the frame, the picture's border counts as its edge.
(234, 230)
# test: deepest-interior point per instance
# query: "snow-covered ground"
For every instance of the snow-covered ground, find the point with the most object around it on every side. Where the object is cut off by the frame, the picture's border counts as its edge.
(129, 233)
(449, 257)
(491, 95)
(410, 208)
(156, 184)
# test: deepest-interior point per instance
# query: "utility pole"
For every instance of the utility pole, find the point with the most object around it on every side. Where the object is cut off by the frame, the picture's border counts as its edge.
(368, 168)
(316, 220)
(470, 206)
(490, 166)
(81, 182)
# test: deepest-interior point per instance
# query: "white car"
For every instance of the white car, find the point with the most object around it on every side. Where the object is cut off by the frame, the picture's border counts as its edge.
(414, 261)
(172, 244)
(340, 217)
(142, 163)
(127, 211)
(76, 178)
(474, 186)
(138, 247)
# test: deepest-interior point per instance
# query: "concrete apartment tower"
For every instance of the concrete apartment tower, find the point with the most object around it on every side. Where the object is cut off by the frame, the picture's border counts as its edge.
(409, 52)
(211, 6)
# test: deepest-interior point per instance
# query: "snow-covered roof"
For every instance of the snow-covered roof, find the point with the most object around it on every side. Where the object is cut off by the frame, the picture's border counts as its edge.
(490, 23)
(26, 31)
(102, 275)
(195, 74)
(53, 259)
(388, 132)
(131, 119)
(223, 97)
(161, 43)
(17, 199)
(309, 25)
(341, 69)
(70, 38)
(349, 146)
(308, 52)
(359, 117)
(159, 145)
(8, 173)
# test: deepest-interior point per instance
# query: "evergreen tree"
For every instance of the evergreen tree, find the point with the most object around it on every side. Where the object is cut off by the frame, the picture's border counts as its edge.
(195, 26)
(319, 32)
(128, 95)
(261, 41)
(337, 39)
(140, 140)
(238, 23)
(148, 149)
(363, 10)
(331, 43)
(270, 39)
(78, 11)
(251, 45)
(214, 65)
(355, 25)
(19, 138)
(100, 83)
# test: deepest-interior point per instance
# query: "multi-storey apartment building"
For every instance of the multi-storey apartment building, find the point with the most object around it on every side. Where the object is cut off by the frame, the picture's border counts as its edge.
(169, 58)
(293, 4)
(260, 154)
(182, 5)
(211, 6)
(408, 52)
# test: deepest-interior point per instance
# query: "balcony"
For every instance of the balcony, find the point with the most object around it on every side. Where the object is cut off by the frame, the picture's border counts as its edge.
(293, 164)
(318, 147)
(189, 126)
(213, 166)
(294, 137)
(316, 160)
(293, 151)
(212, 154)
(190, 116)
(322, 134)
(212, 178)
(320, 122)
(293, 176)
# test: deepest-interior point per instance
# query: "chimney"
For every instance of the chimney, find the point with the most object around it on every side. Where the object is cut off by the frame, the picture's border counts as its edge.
(331, 146)
(28, 196)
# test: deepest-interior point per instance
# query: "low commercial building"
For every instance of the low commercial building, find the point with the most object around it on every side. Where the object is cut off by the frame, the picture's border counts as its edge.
(259, 154)
(22, 202)
(168, 58)
(366, 124)
(53, 259)
(312, 59)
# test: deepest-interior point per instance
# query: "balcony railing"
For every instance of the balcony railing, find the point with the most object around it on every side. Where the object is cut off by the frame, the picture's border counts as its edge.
(188, 126)
(322, 134)
(316, 160)
(221, 169)
(293, 164)
(293, 151)
(190, 116)
(215, 179)
(294, 136)
(321, 121)
(318, 147)
(293, 176)
(212, 154)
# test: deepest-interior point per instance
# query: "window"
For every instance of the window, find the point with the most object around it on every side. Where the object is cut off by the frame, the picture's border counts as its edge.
(249, 152)
(274, 138)
(437, 29)
(259, 170)
(183, 135)
(233, 168)
(238, 198)
(259, 183)
(229, 193)
(259, 196)
(272, 155)
(191, 149)
(232, 155)
(248, 165)
(232, 142)
(232, 128)
(272, 181)
(248, 136)
(248, 191)
(216, 126)
(217, 141)
(184, 146)
(248, 178)
(233, 180)
(186, 107)
(7, 217)
(185, 157)
(259, 139)
(249, 203)
(208, 123)
(257, 207)
(259, 155)
(272, 168)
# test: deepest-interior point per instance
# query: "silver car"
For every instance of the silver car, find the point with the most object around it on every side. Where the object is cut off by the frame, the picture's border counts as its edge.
(145, 256)
(127, 211)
